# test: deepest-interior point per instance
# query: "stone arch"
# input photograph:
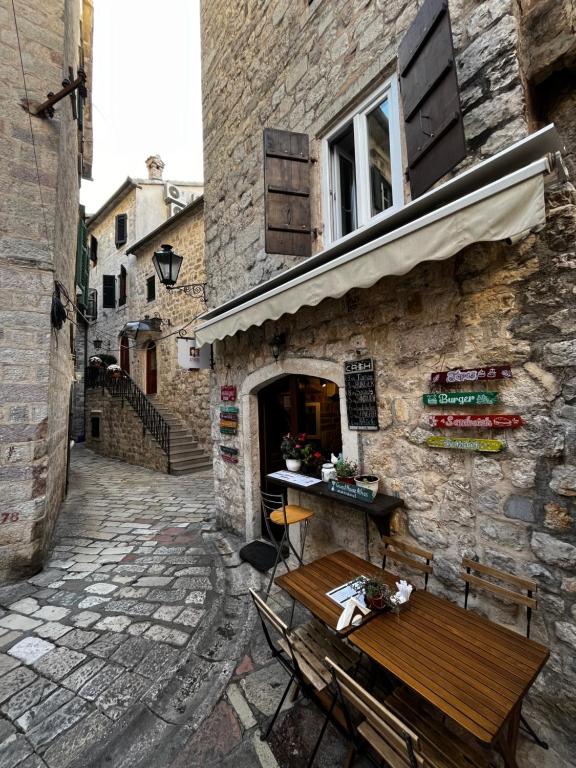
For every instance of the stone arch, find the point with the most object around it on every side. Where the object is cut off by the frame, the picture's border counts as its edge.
(248, 396)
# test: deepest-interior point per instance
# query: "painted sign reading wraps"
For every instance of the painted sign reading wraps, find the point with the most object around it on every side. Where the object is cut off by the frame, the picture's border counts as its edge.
(466, 444)
(459, 376)
(352, 491)
(460, 398)
(495, 421)
(361, 403)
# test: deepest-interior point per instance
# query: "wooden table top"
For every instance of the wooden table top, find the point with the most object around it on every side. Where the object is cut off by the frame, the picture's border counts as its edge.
(309, 583)
(472, 670)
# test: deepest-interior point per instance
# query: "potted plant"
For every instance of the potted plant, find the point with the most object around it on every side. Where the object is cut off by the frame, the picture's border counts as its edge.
(291, 448)
(312, 459)
(114, 371)
(346, 470)
(377, 594)
(370, 482)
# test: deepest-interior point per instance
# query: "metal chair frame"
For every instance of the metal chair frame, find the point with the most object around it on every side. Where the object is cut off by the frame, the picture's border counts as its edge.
(393, 548)
(272, 502)
(290, 664)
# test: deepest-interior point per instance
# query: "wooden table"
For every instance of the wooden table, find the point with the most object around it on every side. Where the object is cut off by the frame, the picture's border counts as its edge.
(378, 511)
(472, 670)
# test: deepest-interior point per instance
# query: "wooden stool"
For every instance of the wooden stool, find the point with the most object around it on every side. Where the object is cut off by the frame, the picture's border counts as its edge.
(276, 511)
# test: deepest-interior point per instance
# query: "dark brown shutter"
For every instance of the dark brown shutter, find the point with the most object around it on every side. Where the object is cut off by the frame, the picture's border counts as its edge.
(432, 115)
(287, 192)
(121, 229)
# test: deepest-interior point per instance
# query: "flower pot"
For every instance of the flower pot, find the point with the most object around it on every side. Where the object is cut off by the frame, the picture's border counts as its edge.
(375, 603)
(347, 480)
(293, 465)
(370, 482)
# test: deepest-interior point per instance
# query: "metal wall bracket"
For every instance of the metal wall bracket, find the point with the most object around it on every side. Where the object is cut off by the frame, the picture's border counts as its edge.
(196, 290)
(46, 108)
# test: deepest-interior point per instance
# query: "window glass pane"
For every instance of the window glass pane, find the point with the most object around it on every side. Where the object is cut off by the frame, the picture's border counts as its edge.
(344, 182)
(379, 158)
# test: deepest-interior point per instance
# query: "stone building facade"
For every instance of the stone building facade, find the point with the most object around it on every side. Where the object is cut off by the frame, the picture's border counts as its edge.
(306, 68)
(44, 160)
(180, 394)
(144, 204)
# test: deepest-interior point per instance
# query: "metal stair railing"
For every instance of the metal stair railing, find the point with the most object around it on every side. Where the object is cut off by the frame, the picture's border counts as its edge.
(121, 385)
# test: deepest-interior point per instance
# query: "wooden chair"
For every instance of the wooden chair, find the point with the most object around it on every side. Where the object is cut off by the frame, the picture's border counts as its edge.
(527, 600)
(393, 548)
(383, 728)
(301, 652)
(278, 512)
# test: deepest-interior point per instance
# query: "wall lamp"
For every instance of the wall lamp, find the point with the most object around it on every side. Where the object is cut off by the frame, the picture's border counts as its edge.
(277, 342)
(167, 265)
(97, 343)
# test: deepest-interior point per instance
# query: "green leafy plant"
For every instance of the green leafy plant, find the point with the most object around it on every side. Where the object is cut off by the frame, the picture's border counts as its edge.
(377, 593)
(312, 458)
(346, 468)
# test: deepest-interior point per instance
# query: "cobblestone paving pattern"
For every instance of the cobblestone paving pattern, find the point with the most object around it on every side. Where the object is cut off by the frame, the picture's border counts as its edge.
(125, 641)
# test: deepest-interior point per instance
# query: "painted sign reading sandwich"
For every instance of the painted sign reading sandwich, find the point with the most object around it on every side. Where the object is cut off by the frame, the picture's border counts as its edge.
(461, 376)
(460, 398)
(492, 421)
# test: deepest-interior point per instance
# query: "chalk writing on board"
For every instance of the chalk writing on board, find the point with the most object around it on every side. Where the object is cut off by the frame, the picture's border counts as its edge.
(360, 387)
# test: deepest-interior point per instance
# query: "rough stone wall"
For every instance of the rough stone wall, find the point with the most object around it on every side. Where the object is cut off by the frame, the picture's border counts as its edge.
(38, 221)
(297, 67)
(121, 433)
(184, 393)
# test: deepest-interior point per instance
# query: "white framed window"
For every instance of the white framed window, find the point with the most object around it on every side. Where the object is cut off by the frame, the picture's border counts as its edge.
(362, 165)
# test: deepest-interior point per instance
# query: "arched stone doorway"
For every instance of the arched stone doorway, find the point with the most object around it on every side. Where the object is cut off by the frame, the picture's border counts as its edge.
(322, 370)
(151, 369)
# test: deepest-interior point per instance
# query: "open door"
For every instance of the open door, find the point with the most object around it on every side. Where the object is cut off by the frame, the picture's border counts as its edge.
(125, 354)
(151, 369)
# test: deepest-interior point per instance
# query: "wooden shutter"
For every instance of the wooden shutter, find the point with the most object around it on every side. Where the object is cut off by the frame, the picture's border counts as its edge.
(82, 262)
(109, 291)
(287, 192)
(122, 287)
(432, 115)
(121, 229)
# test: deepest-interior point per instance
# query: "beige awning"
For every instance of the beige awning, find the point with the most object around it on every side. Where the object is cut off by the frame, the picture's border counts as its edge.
(501, 210)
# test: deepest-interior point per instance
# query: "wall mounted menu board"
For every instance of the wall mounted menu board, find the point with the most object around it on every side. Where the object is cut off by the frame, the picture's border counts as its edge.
(360, 387)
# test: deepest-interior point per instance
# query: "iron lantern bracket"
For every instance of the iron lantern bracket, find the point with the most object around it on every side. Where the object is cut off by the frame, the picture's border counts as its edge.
(196, 290)
(46, 108)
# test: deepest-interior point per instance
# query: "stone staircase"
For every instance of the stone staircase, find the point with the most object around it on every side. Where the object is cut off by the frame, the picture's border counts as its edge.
(185, 455)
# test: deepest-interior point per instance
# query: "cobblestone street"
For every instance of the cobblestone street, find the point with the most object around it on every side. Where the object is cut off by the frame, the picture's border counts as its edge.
(125, 641)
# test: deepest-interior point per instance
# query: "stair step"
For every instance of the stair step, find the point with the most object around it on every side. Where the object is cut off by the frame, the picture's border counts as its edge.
(190, 470)
(183, 440)
(190, 462)
(183, 452)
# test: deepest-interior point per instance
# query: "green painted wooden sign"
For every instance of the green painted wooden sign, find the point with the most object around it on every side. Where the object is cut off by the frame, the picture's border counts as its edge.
(466, 444)
(352, 491)
(460, 398)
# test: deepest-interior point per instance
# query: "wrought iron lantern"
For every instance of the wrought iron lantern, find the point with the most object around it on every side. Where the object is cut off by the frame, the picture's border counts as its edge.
(167, 265)
(97, 343)
(277, 342)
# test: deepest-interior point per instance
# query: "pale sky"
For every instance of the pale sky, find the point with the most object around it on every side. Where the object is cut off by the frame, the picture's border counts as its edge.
(146, 94)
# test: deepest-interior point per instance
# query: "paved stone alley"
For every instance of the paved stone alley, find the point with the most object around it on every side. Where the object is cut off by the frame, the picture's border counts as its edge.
(139, 631)
(138, 644)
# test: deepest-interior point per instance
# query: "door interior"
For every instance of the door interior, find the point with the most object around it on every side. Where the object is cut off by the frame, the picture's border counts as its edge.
(151, 369)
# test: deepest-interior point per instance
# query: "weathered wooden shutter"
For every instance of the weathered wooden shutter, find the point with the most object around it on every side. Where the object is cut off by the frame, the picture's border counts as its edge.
(122, 287)
(121, 229)
(108, 291)
(287, 192)
(432, 115)
(82, 262)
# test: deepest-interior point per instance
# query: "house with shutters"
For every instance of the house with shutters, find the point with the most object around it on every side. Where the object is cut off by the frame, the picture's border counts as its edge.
(136, 208)
(387, 198)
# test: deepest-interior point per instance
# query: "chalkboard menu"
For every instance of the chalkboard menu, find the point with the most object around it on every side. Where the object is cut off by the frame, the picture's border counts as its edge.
(361, 404)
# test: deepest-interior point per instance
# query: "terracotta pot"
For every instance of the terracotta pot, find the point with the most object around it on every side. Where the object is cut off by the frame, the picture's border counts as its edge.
(347, 480)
